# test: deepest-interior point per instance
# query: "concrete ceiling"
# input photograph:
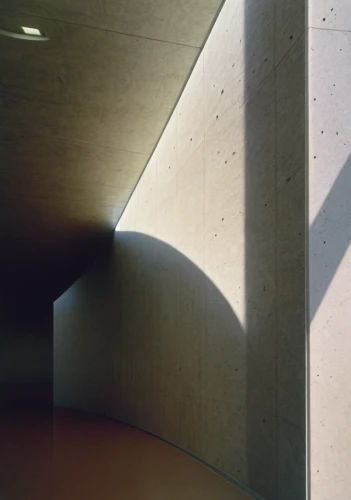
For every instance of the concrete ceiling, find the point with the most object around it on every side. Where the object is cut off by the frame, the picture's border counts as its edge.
(80, 116)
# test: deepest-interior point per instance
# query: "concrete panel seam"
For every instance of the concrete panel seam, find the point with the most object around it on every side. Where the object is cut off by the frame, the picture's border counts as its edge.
(100, 29)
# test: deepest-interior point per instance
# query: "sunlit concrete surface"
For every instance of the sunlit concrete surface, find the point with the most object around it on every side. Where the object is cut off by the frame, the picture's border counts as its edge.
(329, 207)
(81, 115)
(74, 455)
(193, 328)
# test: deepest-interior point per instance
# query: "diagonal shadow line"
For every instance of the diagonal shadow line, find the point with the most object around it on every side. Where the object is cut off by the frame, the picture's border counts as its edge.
(330, 237)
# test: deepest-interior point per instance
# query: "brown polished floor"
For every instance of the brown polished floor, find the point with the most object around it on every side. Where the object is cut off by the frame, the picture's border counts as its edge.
(86, 457)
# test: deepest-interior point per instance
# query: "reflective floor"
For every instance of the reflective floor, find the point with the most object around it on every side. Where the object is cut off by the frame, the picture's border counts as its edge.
(72, 455)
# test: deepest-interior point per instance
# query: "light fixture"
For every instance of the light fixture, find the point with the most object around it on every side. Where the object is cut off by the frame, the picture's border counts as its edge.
(31, 31)
(32, 34)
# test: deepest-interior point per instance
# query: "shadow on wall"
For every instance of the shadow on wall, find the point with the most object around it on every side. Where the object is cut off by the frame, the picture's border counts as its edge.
(274, 52)
(166, 378)
(334, 215)
(26, 355)
(168, 306)
(260, 291)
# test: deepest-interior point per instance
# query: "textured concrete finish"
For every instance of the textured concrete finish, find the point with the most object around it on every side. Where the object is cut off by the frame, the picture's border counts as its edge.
(330, 14)
(72, 455)
(199, 309)
(291, 221)
(167, 20)
(123, 103)
(290, 25)
(81, 114)
(330, 252)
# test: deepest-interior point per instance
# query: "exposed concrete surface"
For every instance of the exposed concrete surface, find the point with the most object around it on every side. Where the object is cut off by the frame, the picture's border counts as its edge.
(330, 14)
(199, 311)
(167, 20)
(330, 251)
(81, 114)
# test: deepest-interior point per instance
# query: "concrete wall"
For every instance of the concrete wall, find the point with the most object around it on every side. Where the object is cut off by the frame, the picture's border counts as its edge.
(85, 324)
(329, 248)
(26, 354)
(193, 328)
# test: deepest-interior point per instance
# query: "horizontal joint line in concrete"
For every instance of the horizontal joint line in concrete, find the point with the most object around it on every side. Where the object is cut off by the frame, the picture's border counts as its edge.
(329, 29)
(100, 29)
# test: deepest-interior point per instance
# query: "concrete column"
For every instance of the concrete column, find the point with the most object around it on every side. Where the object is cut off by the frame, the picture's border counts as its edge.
(329, 288)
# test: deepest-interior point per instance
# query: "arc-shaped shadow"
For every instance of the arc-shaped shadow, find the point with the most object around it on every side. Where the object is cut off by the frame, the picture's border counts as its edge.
(177, 352)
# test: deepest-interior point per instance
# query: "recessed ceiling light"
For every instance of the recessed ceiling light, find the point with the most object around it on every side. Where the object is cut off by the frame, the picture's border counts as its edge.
(31, 31)
(31, 34)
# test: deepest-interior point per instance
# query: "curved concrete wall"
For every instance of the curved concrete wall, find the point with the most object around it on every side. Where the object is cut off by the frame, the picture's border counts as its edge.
(193, 327)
